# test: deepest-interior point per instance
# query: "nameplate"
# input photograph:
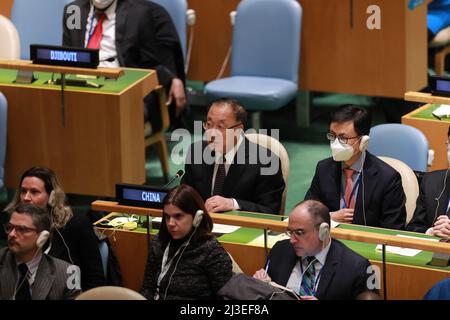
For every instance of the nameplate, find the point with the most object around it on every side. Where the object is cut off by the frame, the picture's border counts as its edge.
(64, 56)
(440, 86)
(141, 195)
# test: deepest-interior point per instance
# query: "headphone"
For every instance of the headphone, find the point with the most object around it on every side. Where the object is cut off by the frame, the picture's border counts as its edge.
(324, 231)
(197, 218)
(52, 199)
(364, 143)
(42, 239)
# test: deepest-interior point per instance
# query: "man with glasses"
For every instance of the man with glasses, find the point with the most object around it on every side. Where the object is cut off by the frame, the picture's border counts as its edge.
(25, 272)
(356, 186)
(433, 204)
(312, 263)
(229, 171)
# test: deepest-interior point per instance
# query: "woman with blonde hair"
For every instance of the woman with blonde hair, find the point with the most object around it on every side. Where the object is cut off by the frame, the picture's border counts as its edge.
(72, 235)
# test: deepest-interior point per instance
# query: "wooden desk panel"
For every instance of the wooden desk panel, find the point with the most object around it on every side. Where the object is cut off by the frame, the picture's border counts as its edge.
(5, 7)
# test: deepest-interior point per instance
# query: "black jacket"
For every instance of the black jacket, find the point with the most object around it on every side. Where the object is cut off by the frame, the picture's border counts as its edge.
(427, 207)
(384, 198)
(201, 272)
(343, 276)
(145, 37)
(246, 182)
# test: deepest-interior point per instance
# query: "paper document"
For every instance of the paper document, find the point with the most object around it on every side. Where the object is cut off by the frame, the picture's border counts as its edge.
(223, 228)
(404, 251)
(271, 240)
(442, 111)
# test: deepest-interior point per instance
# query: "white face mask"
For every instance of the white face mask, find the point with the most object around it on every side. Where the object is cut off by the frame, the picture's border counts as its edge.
(102, 4)
(340, 151)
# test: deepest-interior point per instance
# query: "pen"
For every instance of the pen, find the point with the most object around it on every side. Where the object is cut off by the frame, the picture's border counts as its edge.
(267, 266)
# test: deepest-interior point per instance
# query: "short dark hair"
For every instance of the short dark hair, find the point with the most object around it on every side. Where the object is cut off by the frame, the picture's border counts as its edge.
(359, 116)
(189, 200)
(41, 219)
(238, 110)
(318, 211)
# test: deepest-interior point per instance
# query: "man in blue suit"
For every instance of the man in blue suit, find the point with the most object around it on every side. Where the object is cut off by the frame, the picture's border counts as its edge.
(356, 186)
(312, 263)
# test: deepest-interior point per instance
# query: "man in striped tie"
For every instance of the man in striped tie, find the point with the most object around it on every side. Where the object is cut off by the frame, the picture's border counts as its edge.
(313, 264)
(228, 170)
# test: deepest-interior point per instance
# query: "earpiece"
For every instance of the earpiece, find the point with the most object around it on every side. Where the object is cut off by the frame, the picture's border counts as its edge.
(324, 231)
(364, 143)
(197, 218)
(42, 239)
(190, 17)
(51, 199)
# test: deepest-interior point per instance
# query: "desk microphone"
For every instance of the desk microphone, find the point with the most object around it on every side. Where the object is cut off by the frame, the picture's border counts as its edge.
(110, 59)
(178, 175)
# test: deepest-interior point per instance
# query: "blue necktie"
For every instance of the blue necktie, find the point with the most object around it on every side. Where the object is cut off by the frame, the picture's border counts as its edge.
(307, 287)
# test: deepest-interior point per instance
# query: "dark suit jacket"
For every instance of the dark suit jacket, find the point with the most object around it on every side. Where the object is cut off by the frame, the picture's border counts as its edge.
(145, 37)
(252, 190)
(384, 198)
(50, 282)
(426, 212)
(343, 276)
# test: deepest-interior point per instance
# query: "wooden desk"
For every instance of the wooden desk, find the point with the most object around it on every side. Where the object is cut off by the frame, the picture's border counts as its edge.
(404, 281)
(101, 142)
(435, 130)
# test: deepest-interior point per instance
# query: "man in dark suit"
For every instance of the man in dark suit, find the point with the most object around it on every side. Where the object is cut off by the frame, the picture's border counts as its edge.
(229, 171)
(314, 265)
(135, 34)
(356, 186)
(432, 208)
(25, 272)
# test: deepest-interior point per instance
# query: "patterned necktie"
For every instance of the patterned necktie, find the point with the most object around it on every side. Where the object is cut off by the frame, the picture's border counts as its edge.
(308, 279)
(220, 178)
(96, 38)
(348, 188)
(23, 287)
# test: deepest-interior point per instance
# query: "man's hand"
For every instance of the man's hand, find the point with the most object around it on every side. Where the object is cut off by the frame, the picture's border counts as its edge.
(262, 275)
(219, 204)
(343, 215)
(177, 92)
(441, 227)
(308, 298)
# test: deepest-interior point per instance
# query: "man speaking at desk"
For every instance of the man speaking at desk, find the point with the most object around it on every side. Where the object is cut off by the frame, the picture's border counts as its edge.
(356, 186)
(229, 171)
(135, 34)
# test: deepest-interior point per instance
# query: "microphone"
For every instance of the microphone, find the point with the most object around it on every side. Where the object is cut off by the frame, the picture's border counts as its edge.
(178, 175)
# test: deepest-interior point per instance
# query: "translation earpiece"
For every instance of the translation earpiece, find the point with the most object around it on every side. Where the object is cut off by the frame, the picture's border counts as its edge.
(42, 239)
(51, 199)
(364, 143)
(197, 218)
(324, 231)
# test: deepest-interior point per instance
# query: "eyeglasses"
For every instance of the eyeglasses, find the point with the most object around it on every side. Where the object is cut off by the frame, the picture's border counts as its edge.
(296, 233)
(9, 227)
(342, 139)
(208, 125)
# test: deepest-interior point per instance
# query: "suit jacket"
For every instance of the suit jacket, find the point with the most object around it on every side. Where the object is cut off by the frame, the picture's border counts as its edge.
(252, 190)
(343, 276)
(145, 37)
(50, 282)
(427, 207)
(384, 199)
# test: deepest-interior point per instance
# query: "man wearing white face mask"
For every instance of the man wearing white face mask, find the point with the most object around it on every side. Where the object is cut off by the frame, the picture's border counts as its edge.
(432, 209)
(135, 34)
(356, 186)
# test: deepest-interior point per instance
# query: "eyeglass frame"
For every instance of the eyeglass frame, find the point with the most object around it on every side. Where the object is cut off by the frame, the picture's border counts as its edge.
(298, 233)
(332, 137)
(19, 229)
(205, 123)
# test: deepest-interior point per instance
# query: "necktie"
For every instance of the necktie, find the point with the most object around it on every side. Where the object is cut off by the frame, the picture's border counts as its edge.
(23, 287)
(220, 178)
(348, 188)
(96, 38)
(308, 279)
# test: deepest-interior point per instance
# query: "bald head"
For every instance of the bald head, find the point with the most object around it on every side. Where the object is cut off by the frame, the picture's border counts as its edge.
(317, 211)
